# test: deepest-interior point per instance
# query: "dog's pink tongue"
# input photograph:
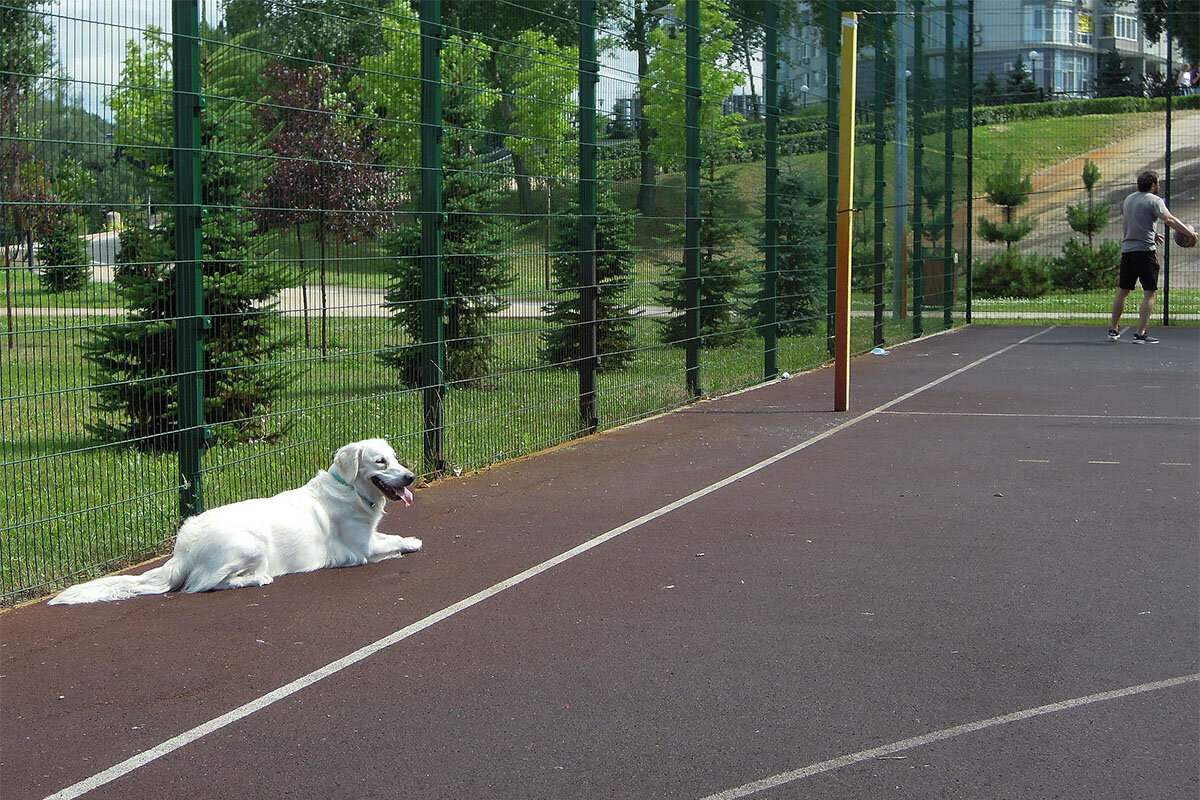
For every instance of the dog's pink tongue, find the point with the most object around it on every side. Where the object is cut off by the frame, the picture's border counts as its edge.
(407, 497)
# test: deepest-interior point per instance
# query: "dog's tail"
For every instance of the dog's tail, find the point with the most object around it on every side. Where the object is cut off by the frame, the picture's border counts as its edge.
(160, 580)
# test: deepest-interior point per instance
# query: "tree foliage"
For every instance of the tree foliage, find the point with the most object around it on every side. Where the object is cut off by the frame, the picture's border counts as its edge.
(724, 307)
(474, 273)
(1087, 217)
(665, 94)
(614, 264)
(1008, 188)
(137, 382)
(801, 282)
(325, 177)
(26, 58)
(1185, 25)
(305, 31)
(1112, 77)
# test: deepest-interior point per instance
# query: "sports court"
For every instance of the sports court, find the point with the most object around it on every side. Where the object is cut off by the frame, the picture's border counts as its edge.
(979, 582)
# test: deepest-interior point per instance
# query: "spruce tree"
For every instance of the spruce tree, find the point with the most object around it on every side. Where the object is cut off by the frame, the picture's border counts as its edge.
(723, 311)
(614, 261)
(800, 284)
(474, 275)
(137, 389)
(1021, 88)
(63, 256)
(1112, 78)
(1085, 266)
(1008, 188)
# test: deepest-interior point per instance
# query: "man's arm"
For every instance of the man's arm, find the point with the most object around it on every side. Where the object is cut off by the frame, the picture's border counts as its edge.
(1175, 222)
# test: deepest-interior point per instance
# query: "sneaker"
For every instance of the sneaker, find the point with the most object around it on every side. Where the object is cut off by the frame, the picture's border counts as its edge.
(1144, 338)
(1113, 335)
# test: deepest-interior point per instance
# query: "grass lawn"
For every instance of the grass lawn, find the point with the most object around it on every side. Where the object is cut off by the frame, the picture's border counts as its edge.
(120, 504)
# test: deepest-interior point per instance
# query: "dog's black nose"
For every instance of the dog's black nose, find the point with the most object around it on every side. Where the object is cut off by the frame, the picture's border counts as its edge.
(407, 479)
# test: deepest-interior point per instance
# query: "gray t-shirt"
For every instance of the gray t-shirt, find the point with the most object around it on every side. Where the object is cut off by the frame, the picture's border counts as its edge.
(1142, 210)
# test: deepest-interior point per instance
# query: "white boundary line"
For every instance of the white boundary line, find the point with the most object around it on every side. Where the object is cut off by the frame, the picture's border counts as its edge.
(1140, 417)
(776, 781)
(225, 720)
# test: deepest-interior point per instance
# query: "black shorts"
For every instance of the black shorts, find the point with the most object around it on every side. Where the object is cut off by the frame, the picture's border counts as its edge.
(1139, 265)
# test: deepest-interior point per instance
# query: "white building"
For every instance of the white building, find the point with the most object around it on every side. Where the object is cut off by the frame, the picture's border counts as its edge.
(1059, 41)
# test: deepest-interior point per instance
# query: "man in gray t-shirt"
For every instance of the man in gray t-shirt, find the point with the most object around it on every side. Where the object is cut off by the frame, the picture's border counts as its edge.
(1139, 253)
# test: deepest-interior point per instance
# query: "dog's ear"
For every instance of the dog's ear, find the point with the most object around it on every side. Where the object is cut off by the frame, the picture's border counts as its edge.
(345, 461)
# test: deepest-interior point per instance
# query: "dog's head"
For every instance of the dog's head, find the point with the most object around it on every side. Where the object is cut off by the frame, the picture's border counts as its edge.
(371, 467)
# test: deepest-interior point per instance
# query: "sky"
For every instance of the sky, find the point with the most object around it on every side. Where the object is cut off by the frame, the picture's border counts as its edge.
(90, 37)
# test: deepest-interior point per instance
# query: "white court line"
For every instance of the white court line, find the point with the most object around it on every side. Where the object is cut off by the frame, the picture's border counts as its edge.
(225, 720)
(1038, 416)
(776, 781)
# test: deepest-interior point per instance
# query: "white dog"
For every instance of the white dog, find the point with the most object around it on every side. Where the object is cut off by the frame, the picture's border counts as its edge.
(329, 522)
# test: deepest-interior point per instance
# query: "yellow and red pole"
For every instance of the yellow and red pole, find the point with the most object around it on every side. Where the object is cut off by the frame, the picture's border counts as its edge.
(845, 214)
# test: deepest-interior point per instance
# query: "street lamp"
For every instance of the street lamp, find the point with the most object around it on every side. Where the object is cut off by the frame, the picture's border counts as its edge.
(669, 20)
(1034, 55)
(804, 93)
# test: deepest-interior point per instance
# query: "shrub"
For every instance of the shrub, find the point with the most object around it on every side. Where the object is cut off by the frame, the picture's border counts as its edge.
(1082, 267)
(614, 263)
(64, 257)
(1010, 274)
(802, 261)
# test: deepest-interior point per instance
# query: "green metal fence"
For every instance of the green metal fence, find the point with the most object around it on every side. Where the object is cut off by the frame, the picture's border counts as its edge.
(240, 234)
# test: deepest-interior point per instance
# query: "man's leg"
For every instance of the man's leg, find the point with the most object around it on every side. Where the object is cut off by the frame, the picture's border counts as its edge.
(1145, 310)
(1118, 308)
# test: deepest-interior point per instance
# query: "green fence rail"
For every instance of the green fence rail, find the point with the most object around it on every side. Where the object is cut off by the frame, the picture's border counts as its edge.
(239, 234)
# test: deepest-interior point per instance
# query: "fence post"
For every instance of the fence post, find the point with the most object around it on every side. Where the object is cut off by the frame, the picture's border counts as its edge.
(1170, 76)
(882, 67)
(433, 348)
(832, 92)
(589, 75)
(189, 276)
(900, 190)
(771, 232)
(918, 259)
(948, 244)
(970, 226)
(691, 246)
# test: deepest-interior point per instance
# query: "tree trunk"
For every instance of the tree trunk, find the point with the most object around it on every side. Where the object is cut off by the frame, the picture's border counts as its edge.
(750, 72)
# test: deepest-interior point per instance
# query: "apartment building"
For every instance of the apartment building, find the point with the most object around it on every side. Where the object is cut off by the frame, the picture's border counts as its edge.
(1059, 42)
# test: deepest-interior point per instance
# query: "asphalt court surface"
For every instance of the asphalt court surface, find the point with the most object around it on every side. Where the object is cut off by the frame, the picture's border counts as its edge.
(1002, 531)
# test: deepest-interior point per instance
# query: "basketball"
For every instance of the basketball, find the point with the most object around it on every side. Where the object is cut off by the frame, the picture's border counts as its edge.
(1186, 240)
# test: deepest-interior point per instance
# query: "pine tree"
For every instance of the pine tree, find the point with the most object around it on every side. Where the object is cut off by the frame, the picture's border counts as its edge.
(474, 275)
(800, 285)
(722, 271)
(1112, 78)
(137, 389)
(1021, 88)
(614, 260)
(1085, 266)
(991, 92)
(1008, 188)
(64, 257)
(1088, 218)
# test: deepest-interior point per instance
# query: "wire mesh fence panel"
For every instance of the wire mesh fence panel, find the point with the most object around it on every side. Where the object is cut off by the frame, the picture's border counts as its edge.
(238, 235)
(1072, 104)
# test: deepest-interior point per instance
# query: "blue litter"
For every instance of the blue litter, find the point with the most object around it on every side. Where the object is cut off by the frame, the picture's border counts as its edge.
(879, 351)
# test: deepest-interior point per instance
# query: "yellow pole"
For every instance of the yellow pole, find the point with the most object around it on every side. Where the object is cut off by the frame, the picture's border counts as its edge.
(845, 217)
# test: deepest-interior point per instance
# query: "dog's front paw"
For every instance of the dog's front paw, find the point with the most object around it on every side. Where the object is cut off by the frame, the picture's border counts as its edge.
(409, 544)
